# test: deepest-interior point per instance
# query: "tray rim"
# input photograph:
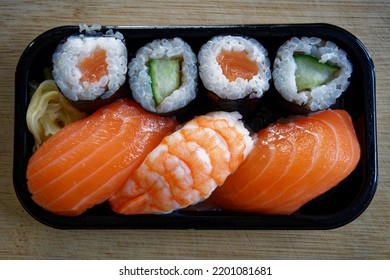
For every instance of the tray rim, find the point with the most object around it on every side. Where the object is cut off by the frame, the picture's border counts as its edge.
(206, 222)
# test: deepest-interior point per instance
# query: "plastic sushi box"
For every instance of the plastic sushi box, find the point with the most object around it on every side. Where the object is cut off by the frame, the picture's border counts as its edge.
(333, 209)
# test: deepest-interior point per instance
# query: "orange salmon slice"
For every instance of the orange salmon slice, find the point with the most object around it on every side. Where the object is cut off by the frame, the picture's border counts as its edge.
(292, 163)
(94, 67)
(236, 64)
(89, 160)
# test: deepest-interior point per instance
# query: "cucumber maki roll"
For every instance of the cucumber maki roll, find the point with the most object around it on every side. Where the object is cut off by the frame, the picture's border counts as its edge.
(234, 70)
(90, 70)
(163, 75)
(311, 72)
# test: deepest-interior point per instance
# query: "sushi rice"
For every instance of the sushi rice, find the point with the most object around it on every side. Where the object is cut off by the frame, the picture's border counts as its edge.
(141, 82)
(212, 75)
(320, 97)
(67, 72)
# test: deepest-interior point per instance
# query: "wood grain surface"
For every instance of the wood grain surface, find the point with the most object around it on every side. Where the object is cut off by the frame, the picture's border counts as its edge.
(22, 237)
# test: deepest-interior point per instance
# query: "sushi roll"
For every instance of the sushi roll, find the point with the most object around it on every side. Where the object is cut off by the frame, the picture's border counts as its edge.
(163, 75)
(311, 72)
(90, 68)
(234, 69)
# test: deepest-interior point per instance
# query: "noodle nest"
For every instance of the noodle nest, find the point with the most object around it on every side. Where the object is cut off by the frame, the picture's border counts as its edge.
(49, 111)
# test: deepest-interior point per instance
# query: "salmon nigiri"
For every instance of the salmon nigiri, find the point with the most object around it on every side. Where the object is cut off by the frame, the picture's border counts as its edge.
(87, 161)
(187, 165)
(292, 163)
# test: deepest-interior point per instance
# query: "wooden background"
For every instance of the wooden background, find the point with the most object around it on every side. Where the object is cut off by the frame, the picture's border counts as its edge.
(22, 237)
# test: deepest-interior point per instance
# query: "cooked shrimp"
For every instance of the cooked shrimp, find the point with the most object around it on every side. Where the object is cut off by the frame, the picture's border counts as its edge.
(187, 165)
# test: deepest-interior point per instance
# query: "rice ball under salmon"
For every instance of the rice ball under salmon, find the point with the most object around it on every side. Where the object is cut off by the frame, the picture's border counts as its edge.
(311, 72)
(90, 67)
(234, 67)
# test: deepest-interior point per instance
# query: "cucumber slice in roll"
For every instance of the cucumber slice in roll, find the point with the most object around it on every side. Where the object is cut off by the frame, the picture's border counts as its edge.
(311, 72)
(165, 75)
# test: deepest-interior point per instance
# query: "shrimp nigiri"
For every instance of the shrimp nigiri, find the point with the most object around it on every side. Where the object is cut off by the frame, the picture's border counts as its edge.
(187, 166)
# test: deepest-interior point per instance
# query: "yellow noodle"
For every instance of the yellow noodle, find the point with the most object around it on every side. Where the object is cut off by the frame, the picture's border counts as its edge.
(49, 111)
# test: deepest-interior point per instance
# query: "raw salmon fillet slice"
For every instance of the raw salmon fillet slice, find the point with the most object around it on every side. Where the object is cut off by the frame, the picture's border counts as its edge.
(94, 67)
(89, 160)
(236, 64)
(292, 163)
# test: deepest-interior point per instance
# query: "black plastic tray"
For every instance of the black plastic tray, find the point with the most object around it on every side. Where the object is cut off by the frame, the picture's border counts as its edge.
(335, 208)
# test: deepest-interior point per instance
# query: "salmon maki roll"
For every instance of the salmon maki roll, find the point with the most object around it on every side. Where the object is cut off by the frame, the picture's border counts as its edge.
(89, 69)
(292, 163)
(235, 71)
(187, 166)
(87, 161)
